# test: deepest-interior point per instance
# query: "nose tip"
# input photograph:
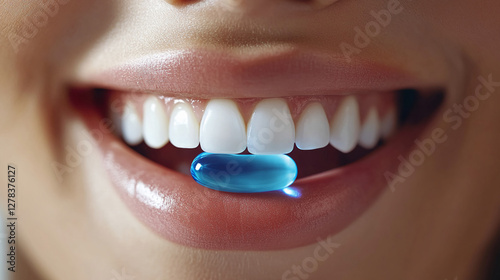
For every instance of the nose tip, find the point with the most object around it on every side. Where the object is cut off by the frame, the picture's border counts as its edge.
(262, 5)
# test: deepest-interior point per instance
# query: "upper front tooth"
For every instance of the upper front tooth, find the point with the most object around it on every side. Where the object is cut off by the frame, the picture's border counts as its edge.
(370, 130)
(313, 130)
(222, 128)
(131, 125)
(344, 129)
(388, 124)
(155, 123)
(271, 129)
(184, 127)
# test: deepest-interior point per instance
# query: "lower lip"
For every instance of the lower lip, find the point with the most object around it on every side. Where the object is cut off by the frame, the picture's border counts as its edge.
(180, 210)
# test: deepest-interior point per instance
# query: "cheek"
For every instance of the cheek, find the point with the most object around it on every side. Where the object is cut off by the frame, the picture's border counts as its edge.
(467, 22)
(52, 30)
(43, 38)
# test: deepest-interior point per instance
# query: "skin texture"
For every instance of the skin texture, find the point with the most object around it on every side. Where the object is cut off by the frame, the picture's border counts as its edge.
(437, 224)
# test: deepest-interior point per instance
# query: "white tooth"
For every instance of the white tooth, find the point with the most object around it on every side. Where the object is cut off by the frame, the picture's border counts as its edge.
(344, 129)
(155, 123)
(370, 130)
(222, 128)
(313, 130)
(388, 124)
(131, 125)
(184, 127)
(271, 129)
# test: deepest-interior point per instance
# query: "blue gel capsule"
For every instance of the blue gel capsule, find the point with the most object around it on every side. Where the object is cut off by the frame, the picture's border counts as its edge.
(244, 173)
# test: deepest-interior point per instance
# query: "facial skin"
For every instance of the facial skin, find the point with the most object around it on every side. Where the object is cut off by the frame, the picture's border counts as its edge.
(437, 224)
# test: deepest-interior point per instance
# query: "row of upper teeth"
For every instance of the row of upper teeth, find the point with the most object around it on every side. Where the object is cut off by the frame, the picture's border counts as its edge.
(270, 130)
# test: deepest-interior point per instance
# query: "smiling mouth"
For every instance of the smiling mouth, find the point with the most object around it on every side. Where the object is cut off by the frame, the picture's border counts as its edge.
(343, 137)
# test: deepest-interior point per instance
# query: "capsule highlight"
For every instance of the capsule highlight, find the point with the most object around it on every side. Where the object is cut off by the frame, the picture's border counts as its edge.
(244, 173)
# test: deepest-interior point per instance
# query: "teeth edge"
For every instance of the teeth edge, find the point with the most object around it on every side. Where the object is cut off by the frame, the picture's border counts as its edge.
(345, 126)
(223, 122)
(184, 129)
(370, 130)
(313, 129)
(131, 125)
(155, 123)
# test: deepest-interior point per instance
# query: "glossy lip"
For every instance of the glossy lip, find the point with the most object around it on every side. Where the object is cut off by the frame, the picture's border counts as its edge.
(177, 208)
(201, 73)
(182, 211)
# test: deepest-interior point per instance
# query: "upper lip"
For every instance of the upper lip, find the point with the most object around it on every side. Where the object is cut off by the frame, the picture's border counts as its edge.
(203, 73)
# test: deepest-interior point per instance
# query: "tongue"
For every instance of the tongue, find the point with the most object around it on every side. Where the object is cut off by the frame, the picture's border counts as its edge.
(320, 160)
(308, 162)
(170, 156)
